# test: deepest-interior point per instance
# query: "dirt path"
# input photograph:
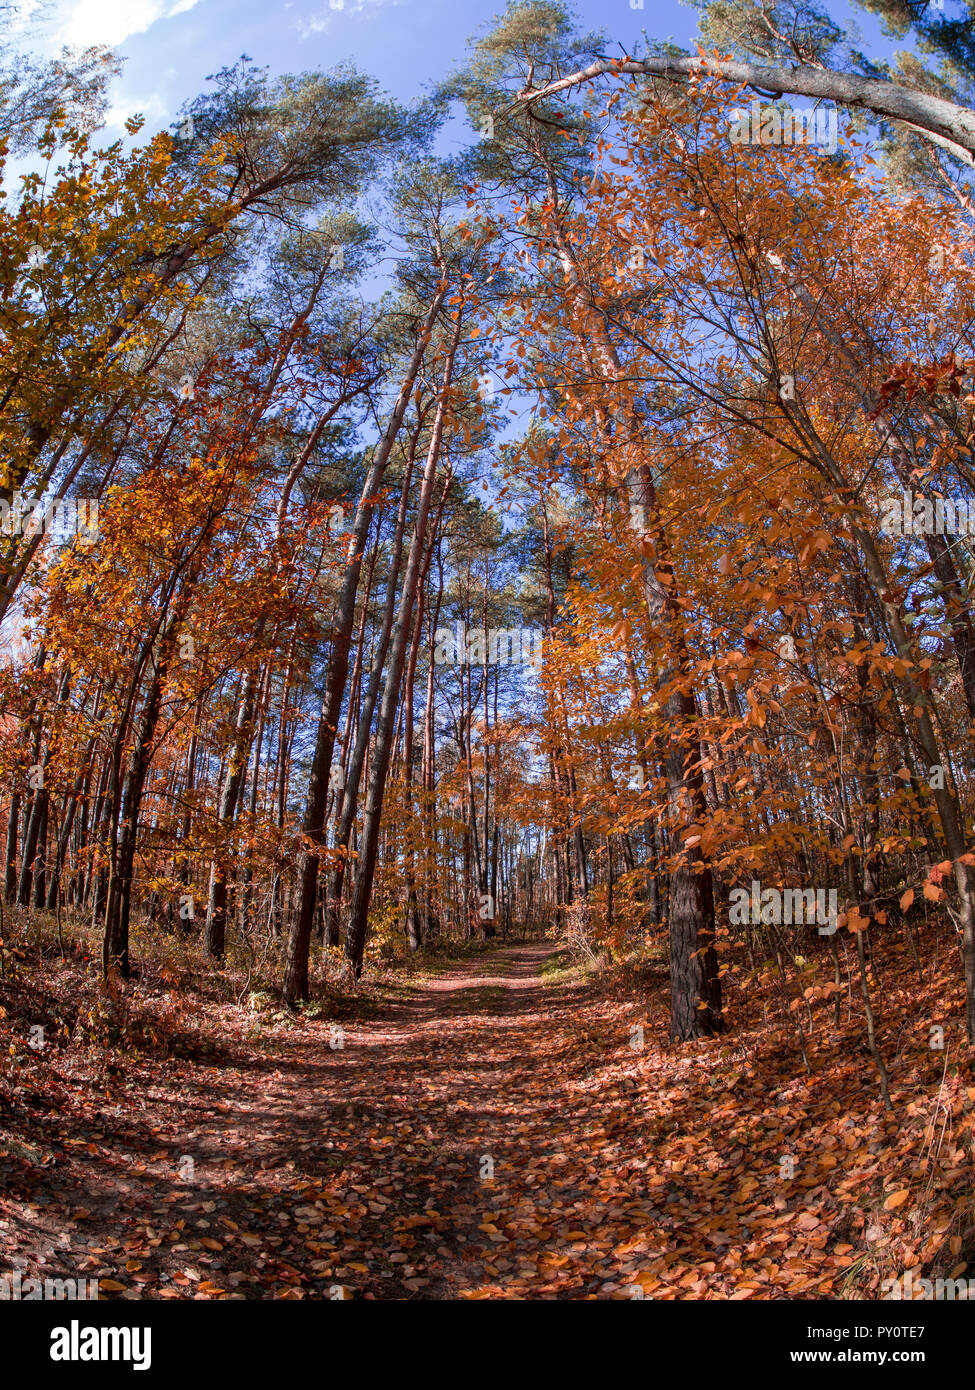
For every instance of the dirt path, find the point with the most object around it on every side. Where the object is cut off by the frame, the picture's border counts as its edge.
(429, 1155)
(487, 1136)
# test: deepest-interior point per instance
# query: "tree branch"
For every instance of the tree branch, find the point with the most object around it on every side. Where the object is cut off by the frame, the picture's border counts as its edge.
(949, 125)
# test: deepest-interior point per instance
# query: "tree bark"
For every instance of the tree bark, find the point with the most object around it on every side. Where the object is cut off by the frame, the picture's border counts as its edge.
(356, 937)
(949, 125)
(295, 985)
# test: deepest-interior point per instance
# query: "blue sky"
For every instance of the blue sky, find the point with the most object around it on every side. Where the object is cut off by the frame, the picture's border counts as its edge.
(171, 45)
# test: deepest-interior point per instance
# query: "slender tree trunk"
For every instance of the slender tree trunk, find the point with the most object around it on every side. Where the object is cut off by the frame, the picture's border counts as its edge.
(695, 983)
(353, 773)
(295, 985)
(356, 937)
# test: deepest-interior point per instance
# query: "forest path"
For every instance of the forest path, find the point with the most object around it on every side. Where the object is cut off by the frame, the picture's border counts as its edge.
(484, 1134)
(437, 1153)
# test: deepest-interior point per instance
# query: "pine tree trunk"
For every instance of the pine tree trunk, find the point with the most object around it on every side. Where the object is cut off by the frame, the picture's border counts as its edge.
(356, 937)
(295, 984)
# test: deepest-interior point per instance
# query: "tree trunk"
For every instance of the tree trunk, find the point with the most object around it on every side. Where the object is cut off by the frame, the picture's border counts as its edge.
(295, 985)
(356, 937)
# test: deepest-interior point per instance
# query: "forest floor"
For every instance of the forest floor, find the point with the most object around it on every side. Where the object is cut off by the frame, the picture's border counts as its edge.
(490, 1127)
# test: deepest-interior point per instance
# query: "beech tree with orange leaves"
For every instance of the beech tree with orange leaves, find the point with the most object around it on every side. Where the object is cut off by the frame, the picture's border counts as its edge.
(489, 671)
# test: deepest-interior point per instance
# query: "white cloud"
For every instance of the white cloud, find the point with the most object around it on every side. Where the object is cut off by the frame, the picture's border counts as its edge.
(84, 22)
(317, 24)
(152, 107)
